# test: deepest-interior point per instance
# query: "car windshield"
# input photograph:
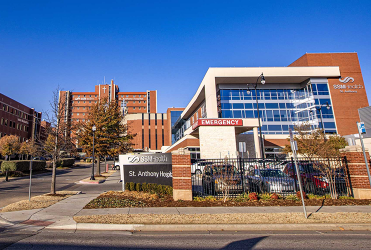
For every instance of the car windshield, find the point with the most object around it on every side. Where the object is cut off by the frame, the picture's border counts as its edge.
(272, 173)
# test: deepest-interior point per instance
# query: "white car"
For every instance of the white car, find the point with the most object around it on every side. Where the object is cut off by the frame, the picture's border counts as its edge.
(198, 167)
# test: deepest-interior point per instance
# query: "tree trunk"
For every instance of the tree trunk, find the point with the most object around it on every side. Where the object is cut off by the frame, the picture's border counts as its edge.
(98, 166)
(52, 188)
(7, 171)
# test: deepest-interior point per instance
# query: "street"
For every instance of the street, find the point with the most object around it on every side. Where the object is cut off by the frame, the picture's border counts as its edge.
(17, 189)
(47, 239)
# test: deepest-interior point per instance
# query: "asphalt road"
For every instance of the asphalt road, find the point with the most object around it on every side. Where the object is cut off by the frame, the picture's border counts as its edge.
(198, 240)
(17, 189)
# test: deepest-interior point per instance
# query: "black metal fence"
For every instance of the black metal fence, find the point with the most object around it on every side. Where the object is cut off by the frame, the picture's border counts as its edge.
(232, 177)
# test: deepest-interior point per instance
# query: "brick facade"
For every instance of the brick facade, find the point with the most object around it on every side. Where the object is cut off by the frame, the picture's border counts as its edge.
(345, 102)
(357, 171)
(182, 182)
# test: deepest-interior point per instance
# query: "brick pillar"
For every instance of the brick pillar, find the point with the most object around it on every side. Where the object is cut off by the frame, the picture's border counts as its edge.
(357, 171)
(182, 182)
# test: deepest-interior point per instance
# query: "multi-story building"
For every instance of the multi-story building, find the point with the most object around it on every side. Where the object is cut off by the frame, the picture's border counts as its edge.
(18, 119)
(77, 105)
(321, 89)
(135, 105)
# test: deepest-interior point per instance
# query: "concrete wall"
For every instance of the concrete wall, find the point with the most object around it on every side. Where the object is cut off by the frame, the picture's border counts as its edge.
(217, 141)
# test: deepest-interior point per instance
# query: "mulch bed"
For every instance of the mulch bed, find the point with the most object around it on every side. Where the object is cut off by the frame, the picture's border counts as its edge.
(121, 200)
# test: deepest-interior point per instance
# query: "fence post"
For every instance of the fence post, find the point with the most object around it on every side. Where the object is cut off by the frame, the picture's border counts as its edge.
(357, 172)
(182, 180)
(242, 169)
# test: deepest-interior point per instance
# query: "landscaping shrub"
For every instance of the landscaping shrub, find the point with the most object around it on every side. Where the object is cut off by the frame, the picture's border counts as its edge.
(275, 196)
(242, 197)
(149, 187)
(299, 196)
(292, 197)
(265, 197)
(65, 162)
(22, 166)
(131, 186)
(88, 160)
(137, 187)
(346, 198)
(144, 187)
(253, 196)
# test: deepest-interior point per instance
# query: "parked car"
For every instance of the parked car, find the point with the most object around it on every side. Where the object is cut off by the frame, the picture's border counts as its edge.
(39, 158)
(216, 178)
(313, 180)
(270, 180)
(198, 167)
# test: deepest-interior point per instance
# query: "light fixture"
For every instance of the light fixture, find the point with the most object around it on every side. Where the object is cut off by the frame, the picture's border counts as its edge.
(248, 90)
(262, 81)
(94, 128)
(328, 105)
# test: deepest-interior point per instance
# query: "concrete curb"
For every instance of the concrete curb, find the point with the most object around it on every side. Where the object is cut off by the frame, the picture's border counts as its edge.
(215, 227)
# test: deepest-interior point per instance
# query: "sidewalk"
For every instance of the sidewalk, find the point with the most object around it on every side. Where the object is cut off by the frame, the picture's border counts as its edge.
(60, 215)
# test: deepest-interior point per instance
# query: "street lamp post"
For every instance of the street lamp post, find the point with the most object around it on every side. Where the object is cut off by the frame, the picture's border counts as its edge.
(94, 128)
(262, 81)
(319, 108)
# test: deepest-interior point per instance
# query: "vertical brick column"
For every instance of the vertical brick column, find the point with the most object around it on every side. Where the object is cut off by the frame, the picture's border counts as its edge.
(356, 168)
(182, 182)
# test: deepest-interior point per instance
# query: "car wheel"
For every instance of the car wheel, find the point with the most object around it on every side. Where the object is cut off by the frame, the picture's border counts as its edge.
(117, 167)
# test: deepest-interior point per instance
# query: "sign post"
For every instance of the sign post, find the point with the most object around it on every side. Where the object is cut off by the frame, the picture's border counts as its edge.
(362, 130)
(294, 148)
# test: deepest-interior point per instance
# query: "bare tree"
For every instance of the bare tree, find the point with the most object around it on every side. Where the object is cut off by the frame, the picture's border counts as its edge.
(59, 134)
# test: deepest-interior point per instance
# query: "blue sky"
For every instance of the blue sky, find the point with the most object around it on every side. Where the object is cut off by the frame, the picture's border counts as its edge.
(165, 45)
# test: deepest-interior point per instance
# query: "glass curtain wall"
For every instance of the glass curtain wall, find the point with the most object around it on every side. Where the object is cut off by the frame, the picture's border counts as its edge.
(280, 109)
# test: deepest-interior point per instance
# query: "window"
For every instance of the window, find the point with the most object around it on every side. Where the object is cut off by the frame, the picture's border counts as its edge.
(144, 107)
(89, 101)
(127, 95)
(144, 101)
(133, 107)
(89, 95)
(133, 101)
(139, 95)
(139, 107)
(84, 95)
(77, 113)
(83, 113)
(133, 95)
(139, 101)
(144, 95)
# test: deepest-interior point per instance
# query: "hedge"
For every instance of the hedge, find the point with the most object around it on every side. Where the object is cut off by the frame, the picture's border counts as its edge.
(149, 187)
(22, 166)
(65, 162)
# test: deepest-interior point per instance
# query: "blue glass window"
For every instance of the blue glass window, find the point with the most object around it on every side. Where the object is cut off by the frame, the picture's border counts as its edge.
(280, 94)
(269, 115)
(248, 105)
(227, 114)
(274, 127)
(322, 87)
(276, 115)
(329, 125)
(226, 106)
(235, 94)
(261, 105)
(274, 94)
(271, 105)
(267, 94)
(249, 114)
(238, 105)
(237, 114)
(283, 115)
(285, 127)
(282, 106)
